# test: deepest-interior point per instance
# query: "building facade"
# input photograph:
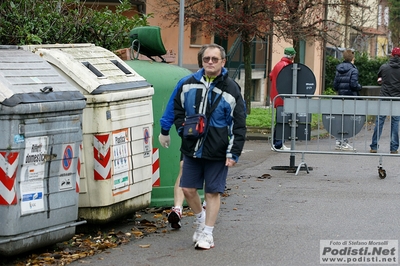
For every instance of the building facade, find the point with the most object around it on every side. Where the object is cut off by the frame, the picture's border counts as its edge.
(372, 37)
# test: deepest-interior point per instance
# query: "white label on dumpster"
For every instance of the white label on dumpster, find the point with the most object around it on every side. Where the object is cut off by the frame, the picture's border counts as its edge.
(32, 196)
(146, 142)
(34, 162)
(120, 150)
(121, 184)
(66, 170)
(121, 160)
(32, 175)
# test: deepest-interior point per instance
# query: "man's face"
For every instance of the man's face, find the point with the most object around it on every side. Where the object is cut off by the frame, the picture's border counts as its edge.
(212, 62)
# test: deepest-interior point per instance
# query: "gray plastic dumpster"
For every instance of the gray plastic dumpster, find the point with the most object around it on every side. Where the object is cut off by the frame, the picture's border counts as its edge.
(41, 129)
(116, 157)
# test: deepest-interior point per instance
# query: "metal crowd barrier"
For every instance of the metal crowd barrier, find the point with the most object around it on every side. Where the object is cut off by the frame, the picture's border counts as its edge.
(313, 123)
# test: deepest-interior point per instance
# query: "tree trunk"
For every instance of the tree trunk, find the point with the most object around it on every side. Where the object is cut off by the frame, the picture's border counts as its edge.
(394, 23)
(296, 46)
(248, 84)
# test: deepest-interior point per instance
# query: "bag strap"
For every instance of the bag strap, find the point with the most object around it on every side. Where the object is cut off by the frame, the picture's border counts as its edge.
(216, 102)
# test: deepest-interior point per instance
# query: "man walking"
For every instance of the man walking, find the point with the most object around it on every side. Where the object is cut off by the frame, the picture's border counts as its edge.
(166, 122)
(206, 159)
(389, 77)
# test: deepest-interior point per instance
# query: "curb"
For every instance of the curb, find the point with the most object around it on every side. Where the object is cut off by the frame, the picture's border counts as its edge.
(265, 134)
(257, 136)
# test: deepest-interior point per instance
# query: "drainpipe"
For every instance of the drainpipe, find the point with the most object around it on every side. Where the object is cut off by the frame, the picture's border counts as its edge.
(181, 30)
(269, 67)
(323, 70)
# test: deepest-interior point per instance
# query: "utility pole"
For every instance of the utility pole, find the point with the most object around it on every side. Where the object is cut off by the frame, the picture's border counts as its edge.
(324, 45)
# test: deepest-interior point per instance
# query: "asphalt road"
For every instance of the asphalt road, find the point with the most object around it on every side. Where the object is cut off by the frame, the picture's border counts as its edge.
(272, 217)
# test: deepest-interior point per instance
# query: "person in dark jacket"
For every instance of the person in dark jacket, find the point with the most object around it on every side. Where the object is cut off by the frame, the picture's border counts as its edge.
(166, 122)
(346, 83)
(206, 160)
(389, 78)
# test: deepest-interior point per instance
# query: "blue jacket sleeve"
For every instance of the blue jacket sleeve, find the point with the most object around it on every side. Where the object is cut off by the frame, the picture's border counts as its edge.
(354, 85)
(167, 119)
(336, 82)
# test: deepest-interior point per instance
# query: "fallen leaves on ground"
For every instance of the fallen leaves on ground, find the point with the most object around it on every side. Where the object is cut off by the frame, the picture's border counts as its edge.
(84, 245)
(265, 176)
(88, 244)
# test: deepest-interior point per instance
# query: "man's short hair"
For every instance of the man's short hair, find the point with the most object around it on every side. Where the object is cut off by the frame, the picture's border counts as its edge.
(348, 55)
(204, 47)
(200, 55)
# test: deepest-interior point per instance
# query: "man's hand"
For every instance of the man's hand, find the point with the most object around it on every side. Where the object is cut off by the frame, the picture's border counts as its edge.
(164, 140)
(229, 162)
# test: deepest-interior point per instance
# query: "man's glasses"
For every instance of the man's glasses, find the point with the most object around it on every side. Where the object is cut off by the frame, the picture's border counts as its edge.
(213, 59)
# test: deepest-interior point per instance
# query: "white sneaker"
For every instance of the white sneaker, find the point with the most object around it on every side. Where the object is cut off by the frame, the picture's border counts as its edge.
(284, 148)
(199, 230)
(345, 147)
(206, 241)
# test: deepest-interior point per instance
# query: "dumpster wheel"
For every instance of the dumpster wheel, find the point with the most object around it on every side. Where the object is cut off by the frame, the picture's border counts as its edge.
(381, 172)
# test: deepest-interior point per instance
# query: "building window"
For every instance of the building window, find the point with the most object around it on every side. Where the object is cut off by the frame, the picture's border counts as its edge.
(255, 90)
(195, 33)
(386, 17)
(359, 42)
(380, 15)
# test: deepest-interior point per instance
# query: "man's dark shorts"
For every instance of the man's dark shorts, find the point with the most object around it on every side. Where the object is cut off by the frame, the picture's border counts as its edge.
(197, 172)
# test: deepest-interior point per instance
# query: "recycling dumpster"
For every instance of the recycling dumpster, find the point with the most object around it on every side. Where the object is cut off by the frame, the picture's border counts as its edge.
(164, 78)
(41, 129)
(116, 162)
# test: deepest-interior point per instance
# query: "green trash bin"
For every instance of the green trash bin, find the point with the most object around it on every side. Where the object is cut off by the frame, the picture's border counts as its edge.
(164, 78)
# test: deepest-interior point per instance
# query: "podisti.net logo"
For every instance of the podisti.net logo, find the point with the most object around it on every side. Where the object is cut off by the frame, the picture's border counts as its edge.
(359, 251)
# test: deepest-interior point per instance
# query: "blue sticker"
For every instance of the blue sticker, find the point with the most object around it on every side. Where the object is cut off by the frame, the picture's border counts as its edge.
(19, 139)
(32, 196)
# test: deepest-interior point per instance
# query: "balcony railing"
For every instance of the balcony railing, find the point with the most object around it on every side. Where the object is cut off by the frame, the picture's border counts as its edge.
(235, 59)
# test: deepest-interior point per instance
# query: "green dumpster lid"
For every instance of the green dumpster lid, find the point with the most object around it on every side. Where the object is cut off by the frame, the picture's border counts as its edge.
(147, 40)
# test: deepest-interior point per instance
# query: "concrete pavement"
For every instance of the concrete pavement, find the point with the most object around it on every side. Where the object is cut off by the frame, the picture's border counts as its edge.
(271, 217)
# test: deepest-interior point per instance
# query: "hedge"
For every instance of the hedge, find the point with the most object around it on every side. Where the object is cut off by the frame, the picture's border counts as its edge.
(367, 68)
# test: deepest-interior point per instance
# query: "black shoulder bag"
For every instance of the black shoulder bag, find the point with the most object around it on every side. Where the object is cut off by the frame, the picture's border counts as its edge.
(195, 126)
